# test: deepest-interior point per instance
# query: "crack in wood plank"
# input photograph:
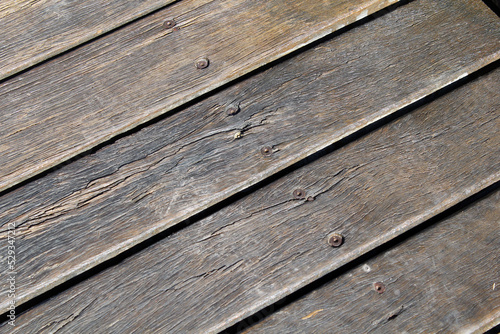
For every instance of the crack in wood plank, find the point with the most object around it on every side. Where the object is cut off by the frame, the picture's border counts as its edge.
(283, 249)
(135, 76)
(116, 222)
(442, 285)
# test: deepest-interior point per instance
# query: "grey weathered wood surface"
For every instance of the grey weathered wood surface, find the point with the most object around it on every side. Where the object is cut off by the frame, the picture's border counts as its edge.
(259, 249)
(85, 97)
(33, 31)
(442, 280)
(169, 171)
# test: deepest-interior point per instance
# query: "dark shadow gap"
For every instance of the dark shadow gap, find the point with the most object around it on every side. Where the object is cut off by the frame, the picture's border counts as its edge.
(73, 48)
(325, 280)
(494, 330)
(147, 243)
(494, 6)
(238, 196)
(202, 97)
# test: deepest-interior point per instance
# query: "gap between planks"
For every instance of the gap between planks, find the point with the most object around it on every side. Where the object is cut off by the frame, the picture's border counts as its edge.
(92, 94)
(122, 194)
(442, 279)
(52, 27)
(267, 245)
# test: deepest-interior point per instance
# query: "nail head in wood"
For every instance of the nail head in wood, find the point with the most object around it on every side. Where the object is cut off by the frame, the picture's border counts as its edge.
(299, 194)
(379, 287)
(335, 239)
(266, 151)
(232, 109)
(202, 63)
(169, 24)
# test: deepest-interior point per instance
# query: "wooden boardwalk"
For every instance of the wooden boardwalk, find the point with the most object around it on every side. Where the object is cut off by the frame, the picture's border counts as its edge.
(208, 166)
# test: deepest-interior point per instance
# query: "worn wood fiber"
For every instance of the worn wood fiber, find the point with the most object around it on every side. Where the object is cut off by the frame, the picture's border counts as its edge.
(259, 249)
(104, 203)
(443, 280)
(77, 101)
(33, 31)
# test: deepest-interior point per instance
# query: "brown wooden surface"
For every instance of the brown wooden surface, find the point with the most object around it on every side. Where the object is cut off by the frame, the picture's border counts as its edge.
(442, 280)
(267, 245)
(32, 31)
(172, 170)
(79, 100)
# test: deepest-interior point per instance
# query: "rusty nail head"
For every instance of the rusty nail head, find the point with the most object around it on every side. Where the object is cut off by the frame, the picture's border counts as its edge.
(299, 193)
(169, 24)
(202, 63)
(266, 151)
(232, 109)
(335, 240)
(379, 287)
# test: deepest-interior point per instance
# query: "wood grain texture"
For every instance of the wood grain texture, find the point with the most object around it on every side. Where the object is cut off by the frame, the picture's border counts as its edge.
(169, 171)
(75, 102)
(443, 280)
(33, 31)
(256, 251)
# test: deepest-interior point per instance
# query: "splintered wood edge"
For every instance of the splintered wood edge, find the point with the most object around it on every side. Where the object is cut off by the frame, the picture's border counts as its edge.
(410, 222)
(22, 174)
(377, 242)
(162, 226)
(117, 249)
(288, 315)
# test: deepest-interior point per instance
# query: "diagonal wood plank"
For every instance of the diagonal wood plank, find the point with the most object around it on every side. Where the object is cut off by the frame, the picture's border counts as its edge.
(443, 280)
(86, 97)
(33, 31)
(257, 250)
(147, 182)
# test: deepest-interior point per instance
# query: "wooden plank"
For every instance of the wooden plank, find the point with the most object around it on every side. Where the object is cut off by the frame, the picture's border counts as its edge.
(33, 31)
(443, 280)
(259, 249)
(90, 95)
(170, 171)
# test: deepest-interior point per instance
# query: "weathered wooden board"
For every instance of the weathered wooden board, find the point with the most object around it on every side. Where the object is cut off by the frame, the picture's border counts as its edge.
(443, 280)
(169, 171)
(33, 31)
(84, 98)
(259, 249)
